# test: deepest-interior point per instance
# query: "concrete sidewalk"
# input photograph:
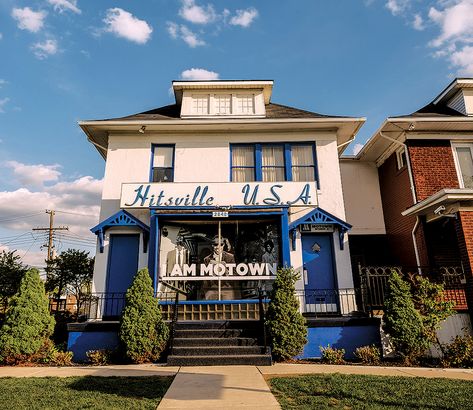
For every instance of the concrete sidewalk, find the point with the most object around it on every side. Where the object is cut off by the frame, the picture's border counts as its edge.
(219, 387)
(283, 369)
(131, 370)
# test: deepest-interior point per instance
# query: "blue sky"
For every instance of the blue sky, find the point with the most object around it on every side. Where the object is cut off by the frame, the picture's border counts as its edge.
(65, 60)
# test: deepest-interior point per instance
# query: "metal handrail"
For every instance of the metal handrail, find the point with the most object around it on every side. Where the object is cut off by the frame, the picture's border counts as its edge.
(262, 317)
(175, 315)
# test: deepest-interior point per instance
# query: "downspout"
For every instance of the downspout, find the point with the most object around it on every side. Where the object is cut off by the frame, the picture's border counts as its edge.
(413, 192)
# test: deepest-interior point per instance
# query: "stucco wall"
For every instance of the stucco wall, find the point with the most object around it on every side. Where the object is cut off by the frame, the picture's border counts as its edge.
(206, 158)
(363, 206)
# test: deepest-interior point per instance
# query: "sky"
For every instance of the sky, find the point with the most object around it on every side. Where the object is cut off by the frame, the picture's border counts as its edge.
(67, 60)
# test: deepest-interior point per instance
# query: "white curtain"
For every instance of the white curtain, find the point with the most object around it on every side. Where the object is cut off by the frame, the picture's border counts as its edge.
(243, 157)
(302, 163)
(273, 163)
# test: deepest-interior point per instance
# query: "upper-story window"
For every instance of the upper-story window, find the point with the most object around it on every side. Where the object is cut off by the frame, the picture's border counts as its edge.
(223, 104)
(246, 103)
(162, 166)
(200, 104)
(464, 161)
(273, 162)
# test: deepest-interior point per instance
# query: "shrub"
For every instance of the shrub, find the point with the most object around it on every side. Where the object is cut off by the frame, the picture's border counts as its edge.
(143, 332)
(286, 324)
(402, 321)
(331, 355)
(63, 359)
(459, 353)
(28, 323)
(100, 357)
(368, 354)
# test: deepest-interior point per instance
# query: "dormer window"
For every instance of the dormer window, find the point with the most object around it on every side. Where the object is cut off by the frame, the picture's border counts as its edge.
(223, 104)
(200, 104)
(246, 103)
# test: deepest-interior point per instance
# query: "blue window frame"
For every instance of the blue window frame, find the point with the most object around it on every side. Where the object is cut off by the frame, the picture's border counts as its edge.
(162, 163)
(273, 162)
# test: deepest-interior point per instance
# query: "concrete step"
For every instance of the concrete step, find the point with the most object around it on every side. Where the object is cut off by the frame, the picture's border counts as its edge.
(254, 360)
(217, 350)
(218, 324)
(212, 341)
(214, 333)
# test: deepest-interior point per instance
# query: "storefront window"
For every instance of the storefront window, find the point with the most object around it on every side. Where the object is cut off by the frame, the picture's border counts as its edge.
(219, 260)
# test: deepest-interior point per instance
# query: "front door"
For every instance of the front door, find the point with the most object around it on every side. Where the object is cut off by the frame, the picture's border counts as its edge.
(122, 267)
(319, 275)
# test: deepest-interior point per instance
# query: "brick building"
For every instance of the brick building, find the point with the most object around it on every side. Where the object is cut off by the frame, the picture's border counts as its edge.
(424, 163)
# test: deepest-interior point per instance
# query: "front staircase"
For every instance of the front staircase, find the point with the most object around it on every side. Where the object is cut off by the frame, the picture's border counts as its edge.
(213, 342)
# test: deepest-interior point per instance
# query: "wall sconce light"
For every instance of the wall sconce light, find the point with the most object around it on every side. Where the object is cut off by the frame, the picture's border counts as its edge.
(142, 129)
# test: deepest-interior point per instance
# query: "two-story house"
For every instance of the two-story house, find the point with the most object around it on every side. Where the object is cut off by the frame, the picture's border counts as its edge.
(419, 170)
(215, 192)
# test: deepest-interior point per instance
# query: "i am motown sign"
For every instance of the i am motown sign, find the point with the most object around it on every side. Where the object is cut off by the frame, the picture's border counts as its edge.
(163, 195)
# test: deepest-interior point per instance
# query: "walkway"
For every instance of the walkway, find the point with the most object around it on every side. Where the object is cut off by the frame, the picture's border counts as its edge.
(226, 387)
(219, 387)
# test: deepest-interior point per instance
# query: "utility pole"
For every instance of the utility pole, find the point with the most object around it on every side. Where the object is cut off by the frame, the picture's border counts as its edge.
(51, 231)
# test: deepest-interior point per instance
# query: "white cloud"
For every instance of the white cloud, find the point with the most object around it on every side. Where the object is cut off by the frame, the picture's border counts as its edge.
(397, 7)
(197, 14)
(3, 82)
(34, 175)
(45, 49)
(3, 102)
(199, 74)
(124, 24)
(357, 148)
(455, 22)
(1, 36)
(63, 5)
(418, 22)
(244, 18)
(28, 19)
(463, 59)
(185, 34)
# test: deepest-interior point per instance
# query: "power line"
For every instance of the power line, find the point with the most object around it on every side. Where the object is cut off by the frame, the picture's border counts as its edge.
(20, 217)
(75, 213)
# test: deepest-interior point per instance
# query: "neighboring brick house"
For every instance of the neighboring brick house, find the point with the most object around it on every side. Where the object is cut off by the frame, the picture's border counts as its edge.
(425, 168)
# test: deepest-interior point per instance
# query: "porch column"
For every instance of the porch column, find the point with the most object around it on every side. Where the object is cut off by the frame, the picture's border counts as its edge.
(464, 228)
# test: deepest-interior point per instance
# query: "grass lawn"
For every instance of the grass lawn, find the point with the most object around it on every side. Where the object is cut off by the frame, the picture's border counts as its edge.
(83, 392)
(337, 391)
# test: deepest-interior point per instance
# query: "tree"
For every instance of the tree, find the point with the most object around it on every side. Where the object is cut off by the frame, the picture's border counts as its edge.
(28, 324)
(285, 322)
(11, 272)
(402, 321)
(143, 332)
(71, 271)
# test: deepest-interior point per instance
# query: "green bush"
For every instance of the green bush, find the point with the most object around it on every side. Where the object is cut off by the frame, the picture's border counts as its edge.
(28, 323)
(285, 322)
(459, 353)
(402, 321)
(143, 332)
(331, 355)
(368, 354)
(100, 357)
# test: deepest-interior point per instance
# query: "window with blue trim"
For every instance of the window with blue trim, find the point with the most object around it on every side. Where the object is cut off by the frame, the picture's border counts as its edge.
(162, 167)
(273, 162)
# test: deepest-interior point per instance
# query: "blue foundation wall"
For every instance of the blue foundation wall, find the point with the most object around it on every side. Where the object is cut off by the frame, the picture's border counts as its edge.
(83, 337)
(340, 333)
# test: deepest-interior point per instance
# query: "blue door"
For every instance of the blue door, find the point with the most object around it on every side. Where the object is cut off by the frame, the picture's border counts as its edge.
(122, 267)
(319, 275)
